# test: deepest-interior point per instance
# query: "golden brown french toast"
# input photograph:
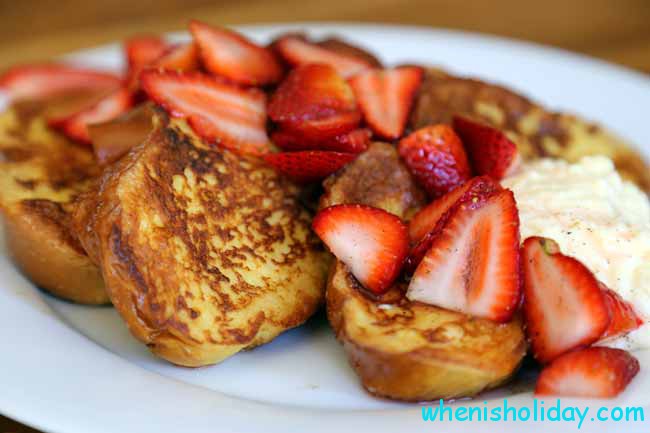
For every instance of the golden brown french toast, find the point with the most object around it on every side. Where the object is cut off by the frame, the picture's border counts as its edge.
(205, 253)
(536, 131)
(401, 349)
(40, 174)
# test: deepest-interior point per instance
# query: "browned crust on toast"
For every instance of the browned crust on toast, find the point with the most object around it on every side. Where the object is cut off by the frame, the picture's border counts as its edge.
(537, 131)
(40, 174)
(400, 349)
(204, 253)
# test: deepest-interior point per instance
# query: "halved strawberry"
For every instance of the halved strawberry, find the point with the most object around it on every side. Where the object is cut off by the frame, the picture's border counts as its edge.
(142, 51)
(309, 165)
(231, 55)
(371, 242)
(430, 220)
(426, 219)
(564, 306)
(436, 158)
(48, 79)
(219, 112)
(386, 96)
(623, 317)
(181, 57)
(598, 372)
(314, 102)
(355, 141)
(472, 265)
(489, 150)
(75, 126)
(297, 52)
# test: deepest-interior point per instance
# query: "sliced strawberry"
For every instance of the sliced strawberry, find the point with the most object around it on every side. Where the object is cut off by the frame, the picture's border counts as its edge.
(181, 57)
(623, 317)
(489, 150)
(564, 306)
(309, 165)
(297, 52)
(425, 220)
(472, 265)
(231, 55)
(430, 220)
(314, 102)
(355, 141)
(108, 108)
(436, 158)
(386, 96)
(371, 242)
(219, 112)
(44, 80)
(598, 372)
(142, 51)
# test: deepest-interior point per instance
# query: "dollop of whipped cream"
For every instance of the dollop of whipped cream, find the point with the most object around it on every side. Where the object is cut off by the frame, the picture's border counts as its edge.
(596, 217)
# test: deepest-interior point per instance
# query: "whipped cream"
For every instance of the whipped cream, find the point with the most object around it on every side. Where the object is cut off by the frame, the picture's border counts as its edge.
(596, 217)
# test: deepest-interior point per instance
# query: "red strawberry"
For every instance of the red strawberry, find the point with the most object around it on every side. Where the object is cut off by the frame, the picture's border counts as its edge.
(472, 265)
(315, 103)
(108, 108)
(598, 372)
(44, 80)
(436, 158)
(297, 52)
(564, 306)
(490, 151)
(230, 116)
(371, 242)
(231, 55)
(386, 96)
(425, 220)
(309, 165)
(142, 51)
(182, 57)
(433, 217)
(623, 317)
(355, 141)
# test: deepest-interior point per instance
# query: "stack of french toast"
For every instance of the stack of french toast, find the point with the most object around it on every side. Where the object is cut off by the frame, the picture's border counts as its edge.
(184, 193)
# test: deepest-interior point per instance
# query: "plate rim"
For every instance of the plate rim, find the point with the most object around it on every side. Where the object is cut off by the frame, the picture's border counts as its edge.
(23, 290)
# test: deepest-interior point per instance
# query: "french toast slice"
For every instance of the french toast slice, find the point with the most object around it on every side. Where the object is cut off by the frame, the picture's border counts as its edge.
(40, 174)
(537, 131)
(401, 349)
(204, 252)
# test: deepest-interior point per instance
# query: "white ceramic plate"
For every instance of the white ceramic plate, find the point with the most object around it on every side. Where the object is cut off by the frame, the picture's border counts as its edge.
(74, 369)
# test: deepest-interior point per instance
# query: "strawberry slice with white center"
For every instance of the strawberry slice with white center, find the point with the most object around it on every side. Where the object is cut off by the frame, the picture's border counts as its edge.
(430, 220)
(310, 165)
(75, 126)
(473, 263)
(45, 80)
(594, 372)
(297, 52)
(426, 219)
(219, 112)
(491, 152)
(623, 317)
(231, 55)
(564, 306)
(385, 97)
(371, 242)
